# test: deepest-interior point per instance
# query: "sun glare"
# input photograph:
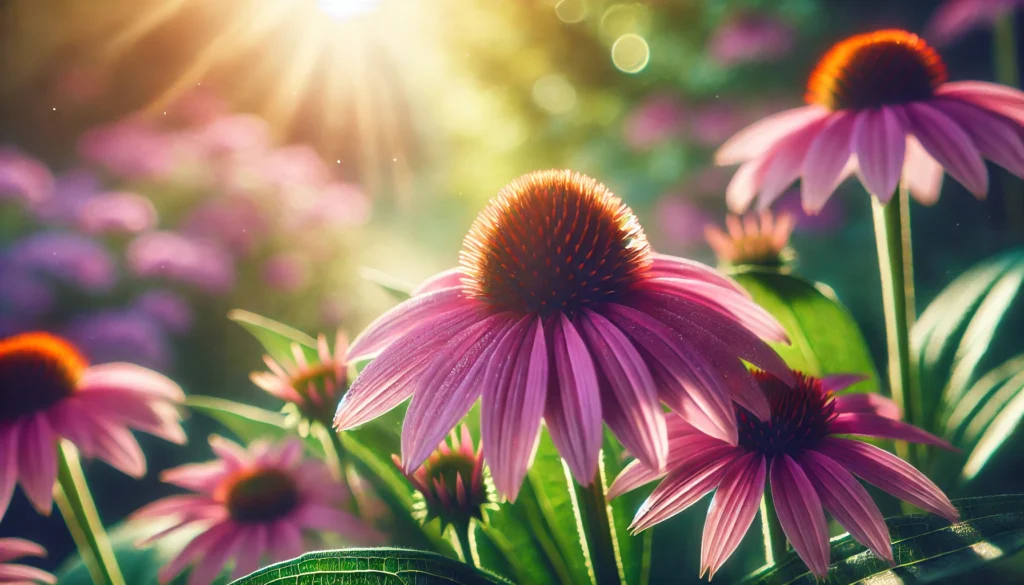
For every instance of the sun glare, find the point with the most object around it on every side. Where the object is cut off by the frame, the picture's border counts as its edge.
(346, 8)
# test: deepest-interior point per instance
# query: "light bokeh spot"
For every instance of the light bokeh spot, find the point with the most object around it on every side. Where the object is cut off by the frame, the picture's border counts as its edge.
(571, 11)
(631, 53)
(554, 94)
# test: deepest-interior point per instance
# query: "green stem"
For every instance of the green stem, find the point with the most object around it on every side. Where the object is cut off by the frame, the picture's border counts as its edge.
(1004, 54)
(596, 529)
(335, 451)
(462, 531)
(83, 521)
(774, 538)
(895, 263)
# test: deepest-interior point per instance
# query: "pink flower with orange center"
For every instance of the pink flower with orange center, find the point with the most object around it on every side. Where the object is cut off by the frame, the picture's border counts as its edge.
(48, 392)
(757, 240)
(314, 386)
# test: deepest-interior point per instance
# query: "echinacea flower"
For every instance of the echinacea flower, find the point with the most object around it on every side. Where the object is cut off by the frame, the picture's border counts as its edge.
(879, 104)
(254, 505)
(808, 467)
(10, 573)
(49, 392)
(954, 18)
(451, 481)
(753, 240)
(117, 213)
(559, 309)
(315, 386)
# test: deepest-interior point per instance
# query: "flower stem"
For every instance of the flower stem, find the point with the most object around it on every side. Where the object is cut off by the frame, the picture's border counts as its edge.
(895, 263)
(83, 521)
(594, 517)
(1007, 68)
(462, 531)
(774, 538)
(332, 445)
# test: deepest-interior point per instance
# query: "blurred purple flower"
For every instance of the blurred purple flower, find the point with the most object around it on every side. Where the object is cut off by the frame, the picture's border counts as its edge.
(130, 149)
(70, 191)
(180, 258)
(954, 18)
(294, 165)
(117, 213)
(713, 123)
(681, 222)
(751, 38)
(72, 258)
(121, 336)
(655, 120)
(830, 218)
(234, 222)
(167, 308)
(23, 293)
(23, 178)
(285, 273)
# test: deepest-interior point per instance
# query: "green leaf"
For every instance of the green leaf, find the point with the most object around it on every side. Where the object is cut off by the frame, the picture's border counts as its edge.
(249, 423)
(999, 396)
(277, 338)
(634, 551)
(825, 337)
(926, 548)
(394, 286)
(372, 566)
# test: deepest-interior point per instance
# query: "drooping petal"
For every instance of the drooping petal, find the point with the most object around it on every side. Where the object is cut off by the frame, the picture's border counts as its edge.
(196, 477)
(573, 411)
(102, 438)
(125, 376)
(922, 173)
(448, 388)
(879, 141)
(732, 510)
(889, 473)
(800, 513)
(784, 162)
(450, 278)
(1003, 100)
(684, 485)
(24, 575)
(745, 184)
(404, 318)
(997, 138)
(248, 558)
(514, 396)
(674, 392)
(127, 407)
(284, 540)
(849, 502)
(195, 549)
(37, 462)
(675, 267)
(822, 169)
(758, 138)
(392, 376)
(869, 403)
(9, 434)
(215, 558)
(632, 476)
(15, 548)
(840, 382)
(635, 414)
(234, 455)
(872, 425)
(948, 144)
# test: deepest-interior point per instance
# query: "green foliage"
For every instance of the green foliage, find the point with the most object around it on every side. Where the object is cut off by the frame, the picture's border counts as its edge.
(372, 566)
(276, 338)
(926, 548)
(394, 286)
(825, 337)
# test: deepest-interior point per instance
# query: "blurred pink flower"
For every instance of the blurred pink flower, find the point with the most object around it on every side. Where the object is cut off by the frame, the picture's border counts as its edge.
(72, 189)
(285, 272)
(49, 391)
(237, 134)
(235, 222)
(760, 239)
(655, 120)
(679, 221)
(199, 105)
(23, 293)
(255, 506)
(117, 213)
(81, 83)
(954, 18)
(751, 38)
(15, 548)
(336, 205)
(167, 308)
(296, 165)
(831, 218)
(23, 178)
(129, 149)
(121, 336)
(314, 385)
(69, 257)
(711, 124)
(180, 258)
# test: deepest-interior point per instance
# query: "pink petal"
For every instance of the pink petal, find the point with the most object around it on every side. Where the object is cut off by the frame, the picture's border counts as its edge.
(15, 548)
(129, 408)
(871, 425)
(448, 388)
(1003, 100)
(685, 484)
(800, 513)
(745, 184)
(733, 508)
(631, 405)
(124, 376)
(450, 278)
(248, 558)
(197, 477)
(186, 506)
(849, 502)
(870, 403)
(840, 382)
(948, 144)
(758, 138)
(514, 396)
(24, 575)
(9, 433)
(106, 439)
(216, 557)
(663, 265)
(879, 140)
(922, 173)
(822, 169)
(403, 318)
(573, 410)
(889, 473)
(327, 519)
(997, 138)
(674, 393)
(37, 460)
(632, 476)
(234, 455)
(195, 549)
(783, 163)
(394, 374)
(284, 541)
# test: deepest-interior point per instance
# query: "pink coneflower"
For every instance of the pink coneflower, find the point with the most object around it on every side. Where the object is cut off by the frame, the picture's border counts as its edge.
(559, 309)
(15, 548)
(751, 38)
(117, 213)
(955, 18)
(451, 481)
(255, 506)
(48, 392)
(758, 240)
(879, 104)
(807, 466)
(194, 261)
(314, 386)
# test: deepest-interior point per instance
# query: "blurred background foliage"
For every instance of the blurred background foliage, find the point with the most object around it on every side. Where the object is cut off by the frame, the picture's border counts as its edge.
(284, 146)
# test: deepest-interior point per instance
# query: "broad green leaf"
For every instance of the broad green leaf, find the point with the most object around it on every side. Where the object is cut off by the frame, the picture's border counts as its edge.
(248, 423)
(1000, 413)
(277, 338)
(394, 286)
(926, 548)
(825, 337)
(371, 566)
